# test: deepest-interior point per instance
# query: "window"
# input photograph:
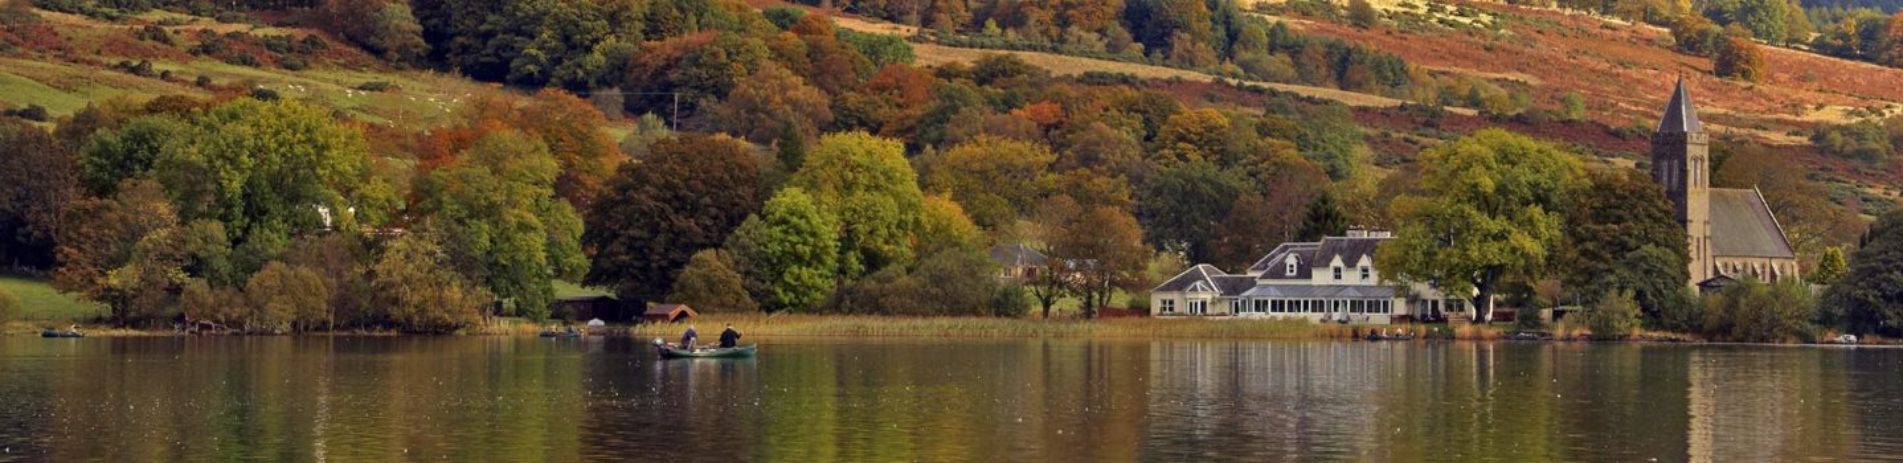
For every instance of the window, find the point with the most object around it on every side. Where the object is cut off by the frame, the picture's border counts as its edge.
(1199, 307)
(1338, 272)
(1168, 306)
(1291, 266)
(1235, 306)
(1366, 272)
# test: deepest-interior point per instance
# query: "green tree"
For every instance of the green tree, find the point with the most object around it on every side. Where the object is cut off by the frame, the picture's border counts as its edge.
(111, 156)
(1749, 311)
(1614, 316)
(266, 168)
(511, 232)
(1572, 107)
(995, 179)
(1831, 267)
(1622, 235)
(1182, 206)
(1492, 211)
(866, 183)
(1323, 219)
(1869, 299)
(688, 194)
(789, 252)
(418, 288)
(943, 225)
(710, 284)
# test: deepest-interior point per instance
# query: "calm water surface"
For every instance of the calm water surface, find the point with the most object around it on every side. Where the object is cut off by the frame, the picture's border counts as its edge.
(803, 399)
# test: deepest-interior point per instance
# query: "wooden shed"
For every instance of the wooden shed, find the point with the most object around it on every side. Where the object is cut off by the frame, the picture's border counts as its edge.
(668, 313)
(576, 309)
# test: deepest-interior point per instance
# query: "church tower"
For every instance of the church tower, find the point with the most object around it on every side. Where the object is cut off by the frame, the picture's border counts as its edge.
(1681, 163)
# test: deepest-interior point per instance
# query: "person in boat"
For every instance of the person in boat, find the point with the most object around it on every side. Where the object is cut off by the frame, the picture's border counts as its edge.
(729, 338)
(688, 338)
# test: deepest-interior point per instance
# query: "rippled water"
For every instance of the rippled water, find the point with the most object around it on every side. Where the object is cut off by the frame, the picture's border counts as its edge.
(803, 399)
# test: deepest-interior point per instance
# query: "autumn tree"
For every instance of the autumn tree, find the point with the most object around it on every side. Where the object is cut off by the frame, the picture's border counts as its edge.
(710, 284)
(943, 225)
(1194, 136)
(38, 177)
(418, 287)
(688, 194)
(1740, 58)
(867, 185)
(1493, 210)
(571, 128)
(285, 298)
(511, 232)
(105, 254)
(382, 27)
(1103, 251)
(995, 179)
(789, 252)
(769, 99)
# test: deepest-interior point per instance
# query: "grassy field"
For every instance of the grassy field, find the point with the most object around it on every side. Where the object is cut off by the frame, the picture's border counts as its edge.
(39, 301)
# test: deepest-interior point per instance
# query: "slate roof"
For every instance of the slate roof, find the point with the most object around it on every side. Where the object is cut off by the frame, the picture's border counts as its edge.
(1270, 266)
(1016, 255)
(1680, 116)
(1742, 226)
(1196, 275)
(1321, 291)
(1350, 250)
(1234, 285)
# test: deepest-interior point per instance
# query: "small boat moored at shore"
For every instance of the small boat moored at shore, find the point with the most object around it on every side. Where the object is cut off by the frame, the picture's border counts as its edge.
(50, 333)
(672, 351)
(561, 334)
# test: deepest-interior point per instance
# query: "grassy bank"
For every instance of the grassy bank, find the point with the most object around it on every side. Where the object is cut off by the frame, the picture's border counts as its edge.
(1140, 328)
(40, 302)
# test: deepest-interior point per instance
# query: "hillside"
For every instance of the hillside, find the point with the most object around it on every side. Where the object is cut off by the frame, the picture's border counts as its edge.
(79, 63)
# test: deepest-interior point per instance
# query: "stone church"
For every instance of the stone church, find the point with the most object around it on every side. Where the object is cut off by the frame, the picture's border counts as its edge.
(1731, 232)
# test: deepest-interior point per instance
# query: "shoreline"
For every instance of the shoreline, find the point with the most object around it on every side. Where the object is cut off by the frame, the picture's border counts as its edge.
(866, 326)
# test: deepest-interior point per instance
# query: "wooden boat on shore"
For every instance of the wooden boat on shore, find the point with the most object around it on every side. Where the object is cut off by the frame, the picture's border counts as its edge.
(672, 351)
(561, 334)
(1390, 337)
(61, 334)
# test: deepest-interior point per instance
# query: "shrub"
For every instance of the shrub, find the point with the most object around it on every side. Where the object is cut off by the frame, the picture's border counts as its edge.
(1010, 301)
(1362, 14)
(311, 44)
(264, 94)
(203, 81)
(293, 63)
(376, 86)
(1756, 312)
(279, 44)
(9, 306)
(231, 17)
(243, 59)
(153, 33)
(710, 284)
(1614, 317)
(31, 112)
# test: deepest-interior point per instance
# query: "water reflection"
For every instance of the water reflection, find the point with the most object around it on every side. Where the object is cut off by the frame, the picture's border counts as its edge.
(508, 399)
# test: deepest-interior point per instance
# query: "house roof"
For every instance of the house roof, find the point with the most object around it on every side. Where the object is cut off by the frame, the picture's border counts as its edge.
(1233, 285)
(1742, 226)
(1270, 266)
(669, 310)
(1201, 273)
(1016, 255)
(1680, 116)
(1350, 250)
(1321, 291)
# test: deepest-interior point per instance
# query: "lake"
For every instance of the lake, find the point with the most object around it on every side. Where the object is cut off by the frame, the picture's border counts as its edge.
(808, 399)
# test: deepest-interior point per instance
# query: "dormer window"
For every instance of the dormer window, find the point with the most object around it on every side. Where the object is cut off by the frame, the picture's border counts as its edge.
(1337, 272)
(1365, 273)
(1291, 266)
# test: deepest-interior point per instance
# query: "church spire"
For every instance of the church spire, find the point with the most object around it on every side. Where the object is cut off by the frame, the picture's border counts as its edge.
(1680, 116)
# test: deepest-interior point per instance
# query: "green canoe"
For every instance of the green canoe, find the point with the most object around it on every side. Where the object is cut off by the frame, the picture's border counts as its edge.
(669, 351)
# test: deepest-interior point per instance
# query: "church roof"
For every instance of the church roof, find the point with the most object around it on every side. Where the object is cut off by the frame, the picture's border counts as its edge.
(1742, 226)
(1680, 116)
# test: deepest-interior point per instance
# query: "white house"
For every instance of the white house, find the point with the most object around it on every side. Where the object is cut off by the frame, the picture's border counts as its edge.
(1334, 279)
